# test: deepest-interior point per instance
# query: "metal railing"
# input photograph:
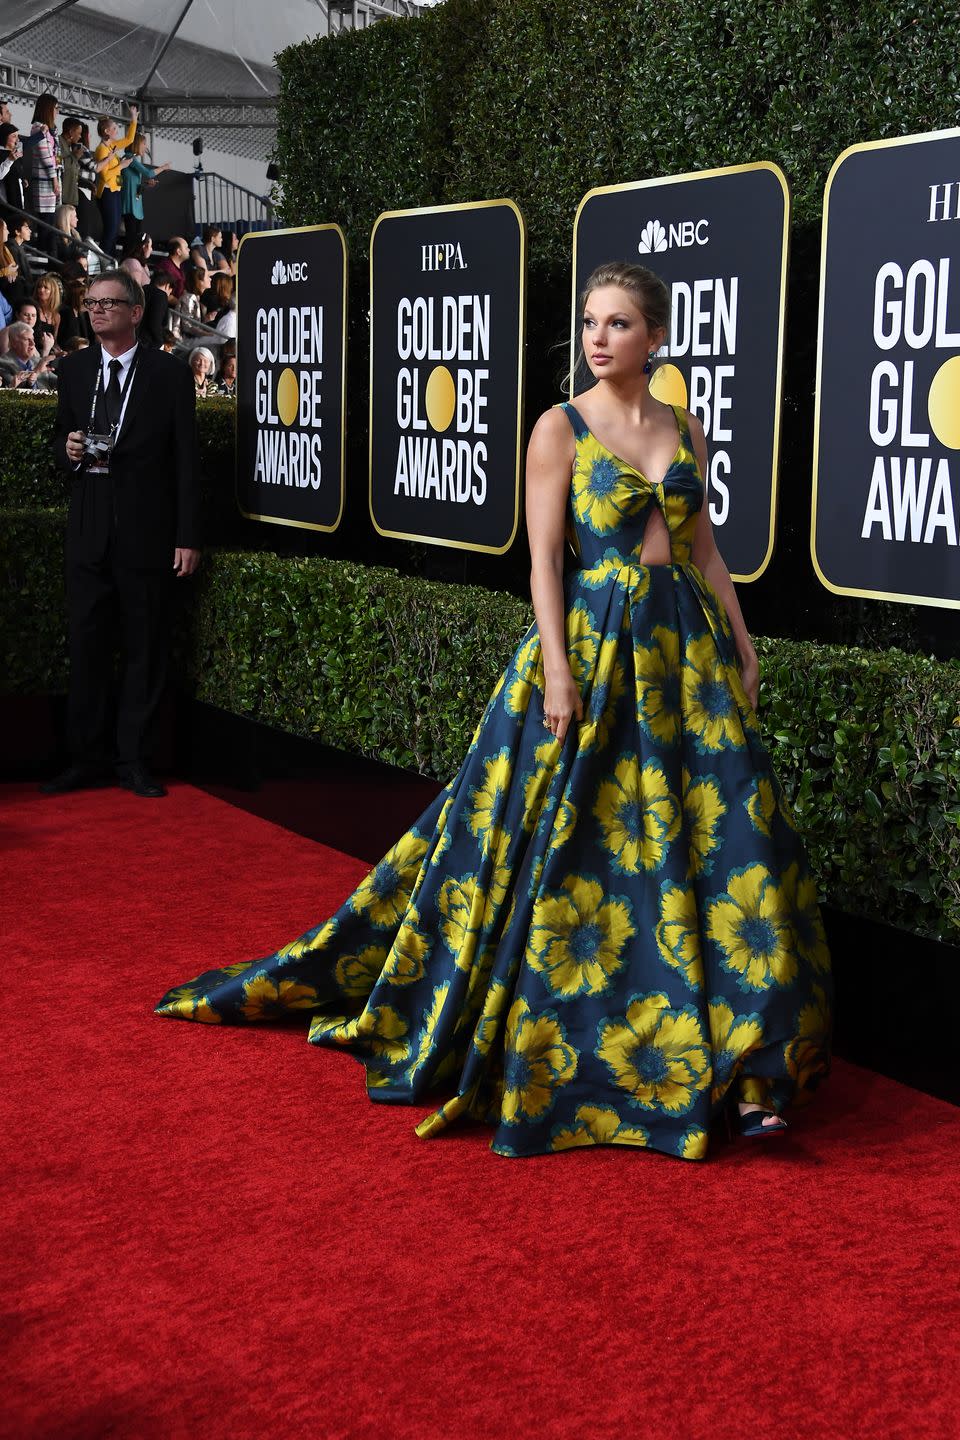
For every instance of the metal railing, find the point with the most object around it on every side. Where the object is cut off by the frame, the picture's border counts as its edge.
(104, 261)
(219, 201)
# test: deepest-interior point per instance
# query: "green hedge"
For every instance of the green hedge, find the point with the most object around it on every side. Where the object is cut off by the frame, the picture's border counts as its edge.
(28, 479)
(380, 664)
(541, 99)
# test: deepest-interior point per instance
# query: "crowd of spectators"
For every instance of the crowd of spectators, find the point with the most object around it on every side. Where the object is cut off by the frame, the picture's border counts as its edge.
(63, 208)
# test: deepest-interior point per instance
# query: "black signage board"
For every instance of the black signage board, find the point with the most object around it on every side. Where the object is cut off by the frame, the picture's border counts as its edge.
(719, 238)
(447, 299)
(291, 360)
(886, 482)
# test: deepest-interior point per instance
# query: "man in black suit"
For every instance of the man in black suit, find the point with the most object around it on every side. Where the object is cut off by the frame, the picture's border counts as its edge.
(133, 525)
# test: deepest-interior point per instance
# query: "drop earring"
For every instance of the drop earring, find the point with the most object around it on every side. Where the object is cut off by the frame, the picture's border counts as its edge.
(649, 365)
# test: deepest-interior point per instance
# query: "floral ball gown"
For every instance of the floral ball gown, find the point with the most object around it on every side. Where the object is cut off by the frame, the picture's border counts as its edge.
(592, 943)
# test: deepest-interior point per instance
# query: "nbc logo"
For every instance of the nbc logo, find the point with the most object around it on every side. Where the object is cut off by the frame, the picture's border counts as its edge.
(286, 274)
(653, 238)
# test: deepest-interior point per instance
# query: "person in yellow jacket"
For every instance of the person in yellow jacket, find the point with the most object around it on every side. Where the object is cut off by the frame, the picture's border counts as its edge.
(108, 181)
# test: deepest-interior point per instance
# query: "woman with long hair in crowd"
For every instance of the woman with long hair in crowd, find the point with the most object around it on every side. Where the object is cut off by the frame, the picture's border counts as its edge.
(66, 248)
(223, 307)
(9, 268)
(109, 178)
(44, 168)
(20, 233)
(138, 174)
(190, 304)
(48, 297)
(74, 320)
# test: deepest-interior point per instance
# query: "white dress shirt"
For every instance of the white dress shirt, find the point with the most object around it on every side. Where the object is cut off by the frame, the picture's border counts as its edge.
(126, 360)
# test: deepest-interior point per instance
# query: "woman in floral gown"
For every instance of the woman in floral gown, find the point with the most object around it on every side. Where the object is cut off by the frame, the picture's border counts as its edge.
(603, 930)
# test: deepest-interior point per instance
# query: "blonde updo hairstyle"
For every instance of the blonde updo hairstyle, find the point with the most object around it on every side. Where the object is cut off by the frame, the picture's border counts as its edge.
(647, 291)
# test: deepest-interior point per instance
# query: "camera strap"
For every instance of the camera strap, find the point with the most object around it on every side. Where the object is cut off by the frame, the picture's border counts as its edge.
(98, 392)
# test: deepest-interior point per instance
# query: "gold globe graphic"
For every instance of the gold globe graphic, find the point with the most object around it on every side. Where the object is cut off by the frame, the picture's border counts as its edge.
(668, 386)
(440, 398)
(288, 396)
(943, 403)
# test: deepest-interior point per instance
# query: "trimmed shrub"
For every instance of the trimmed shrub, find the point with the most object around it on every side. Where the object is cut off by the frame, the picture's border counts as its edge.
(376, 663)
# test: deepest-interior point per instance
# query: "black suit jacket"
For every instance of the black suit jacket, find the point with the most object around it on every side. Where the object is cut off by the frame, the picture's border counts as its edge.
(154, 481)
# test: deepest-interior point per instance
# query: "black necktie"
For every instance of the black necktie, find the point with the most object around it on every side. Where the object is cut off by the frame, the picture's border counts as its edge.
(113, 398)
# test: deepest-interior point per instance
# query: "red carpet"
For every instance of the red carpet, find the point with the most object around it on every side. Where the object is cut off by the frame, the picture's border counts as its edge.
(212, 1233)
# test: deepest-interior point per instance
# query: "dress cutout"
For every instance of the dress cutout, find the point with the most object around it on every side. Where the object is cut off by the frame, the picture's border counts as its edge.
(589, 943)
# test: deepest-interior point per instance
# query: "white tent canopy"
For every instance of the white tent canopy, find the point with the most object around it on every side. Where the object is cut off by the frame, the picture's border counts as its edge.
(186, 61)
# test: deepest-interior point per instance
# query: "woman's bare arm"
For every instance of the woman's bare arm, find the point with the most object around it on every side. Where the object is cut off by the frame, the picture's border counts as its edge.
(550, 457)
(709, 562)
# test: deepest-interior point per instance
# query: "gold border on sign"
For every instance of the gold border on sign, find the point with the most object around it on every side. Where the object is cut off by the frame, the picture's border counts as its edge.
(781, 323)
(521, 330)
(277, 519)
(938, 601)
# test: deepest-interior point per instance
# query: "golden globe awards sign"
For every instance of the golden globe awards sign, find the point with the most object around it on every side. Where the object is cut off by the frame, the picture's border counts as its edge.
(291, 355)
(446, 353)
(719, 240)
(886, 492)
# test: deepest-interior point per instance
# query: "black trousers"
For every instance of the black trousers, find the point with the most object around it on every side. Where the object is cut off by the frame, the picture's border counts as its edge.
(110, 715)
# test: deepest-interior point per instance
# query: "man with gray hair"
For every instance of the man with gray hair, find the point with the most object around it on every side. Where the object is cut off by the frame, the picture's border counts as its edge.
(23, 368)
(126, 437)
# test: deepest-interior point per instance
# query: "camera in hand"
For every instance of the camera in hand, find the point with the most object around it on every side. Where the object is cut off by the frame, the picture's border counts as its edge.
(96, 451)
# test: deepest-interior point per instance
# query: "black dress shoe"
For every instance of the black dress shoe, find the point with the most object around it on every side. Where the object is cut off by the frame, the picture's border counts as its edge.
(138, 779)
(75, 777)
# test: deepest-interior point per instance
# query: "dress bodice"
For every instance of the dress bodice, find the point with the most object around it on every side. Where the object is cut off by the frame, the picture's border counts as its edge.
(611, 502)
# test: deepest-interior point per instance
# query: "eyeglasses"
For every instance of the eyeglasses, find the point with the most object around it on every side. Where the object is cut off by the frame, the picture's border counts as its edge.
(107, 303)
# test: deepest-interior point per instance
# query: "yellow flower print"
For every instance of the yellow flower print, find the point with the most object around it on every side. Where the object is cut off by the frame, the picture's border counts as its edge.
(602, 497)
(692, 1144)
(597, 1125)
(657, 679)
(639, 816)
(537, 782)
(405, 962)
(808, 1053)
(427, 1036)
(800, 890)
(761, 805)
(384, 894)
(183, 1003)
(537, 1062)
(356, 975)
(703, 809)
(678, 932)
(710, 710)
(628, 574)
(461, 908)
(751, 925)
(487, 799)
(384, 1031)
(609, 685)
(238, 966)
(583, 643)
(494, 1004)
(313, 941)
(267, 1000)
(526, 675)
(444, 842)
(732, 1038)
(578, 937)
(563, 826)
(658, 1055)
(536, 875)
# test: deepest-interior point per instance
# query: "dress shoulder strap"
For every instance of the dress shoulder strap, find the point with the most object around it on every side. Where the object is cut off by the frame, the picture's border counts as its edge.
(683, 425)
(578, 424)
